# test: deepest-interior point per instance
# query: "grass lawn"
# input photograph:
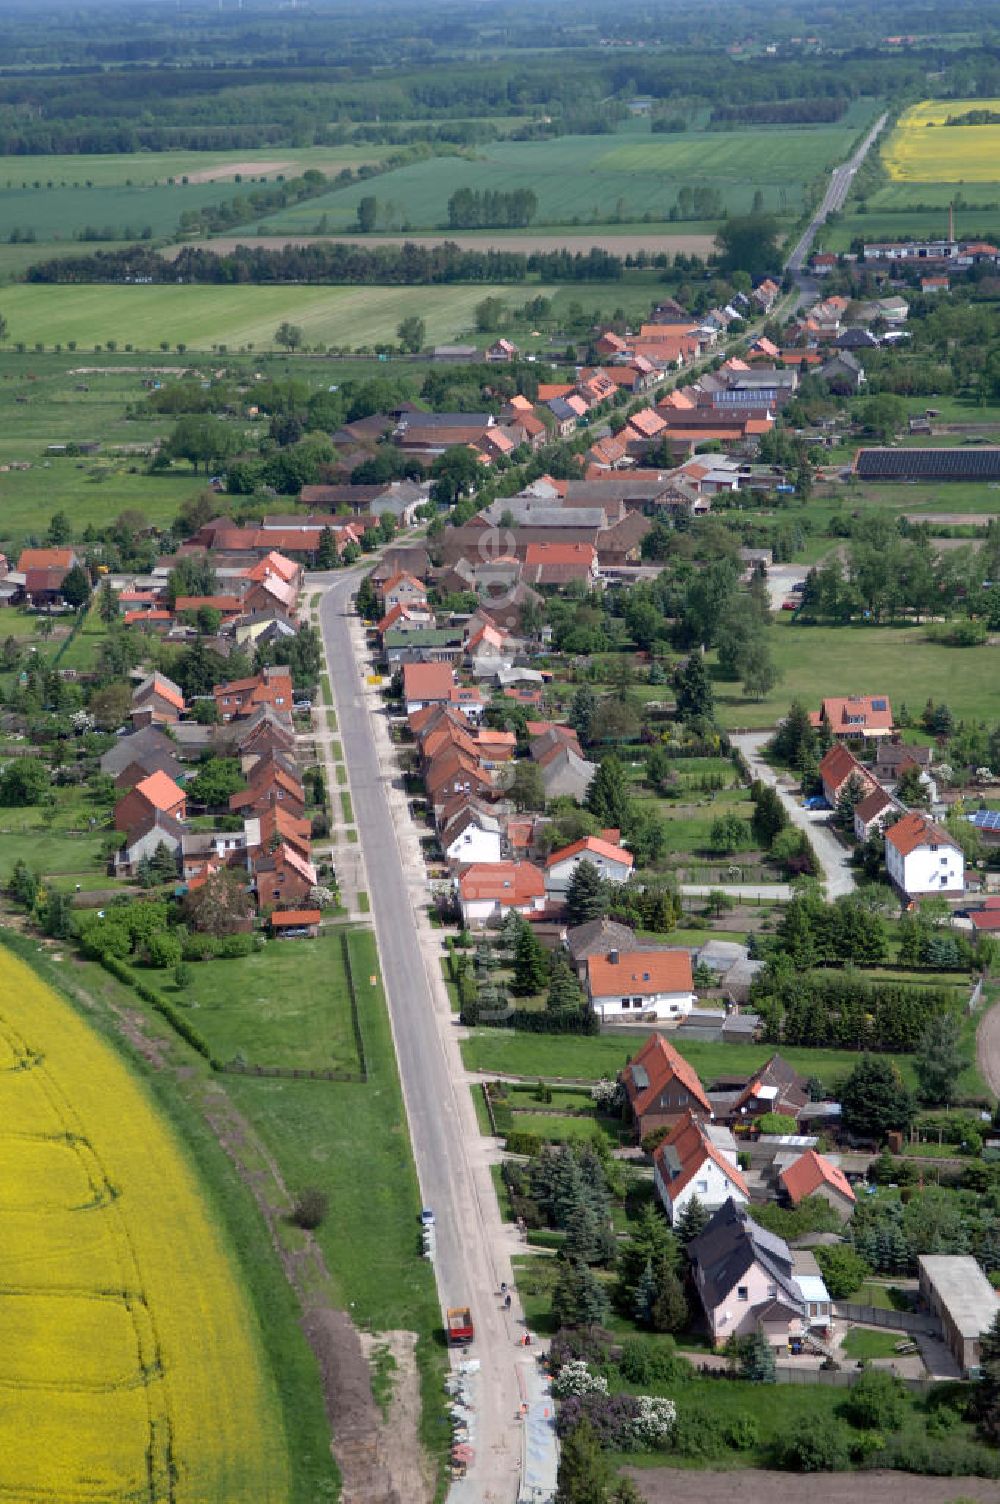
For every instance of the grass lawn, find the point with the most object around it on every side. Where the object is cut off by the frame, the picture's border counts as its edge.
(500, 1052)
(883, 1297)
(862, 1342)
(575, 1130)
(54, 853)
(897, 661)
(351, 1142)
(286, 1005)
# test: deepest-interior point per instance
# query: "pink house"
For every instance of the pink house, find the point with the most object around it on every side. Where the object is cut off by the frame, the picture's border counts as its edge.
(747, 1280)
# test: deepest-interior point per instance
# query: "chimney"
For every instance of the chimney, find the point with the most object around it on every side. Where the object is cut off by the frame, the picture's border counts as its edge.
(612, 958)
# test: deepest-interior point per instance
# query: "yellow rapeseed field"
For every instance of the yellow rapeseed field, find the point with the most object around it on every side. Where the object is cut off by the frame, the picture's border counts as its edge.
(922, 149)
(130, 1361)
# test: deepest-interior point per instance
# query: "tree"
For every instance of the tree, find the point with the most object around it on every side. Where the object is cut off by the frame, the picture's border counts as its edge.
(874, 1100)
(986, 1392)
(692, 1220)
(60, 530)
(883, 416)
(852, 791)
(110, 705)
(55, 914)
(938, 1062)
(453, 474)
(3, 330)
(530, 964)
(911, 789)
(565, 992)
(729, 833)
(669, 1311)
(221, 905)
(75, 588)
(578, 1298)
(749, 243)
(584, 1470)
(24, 884)
(288, 336)
(216, 779)
(608, 794)
(527, 787)
(367, 213)
(107, 603)
(200, 439)
(843, 1269)
(652, 1243)
(586, 897)
(768, 814)
(411, 332)
(581, 711)
(695, 701)
(24, 781)
(752, 1358)
(794, 742)
(760, 673)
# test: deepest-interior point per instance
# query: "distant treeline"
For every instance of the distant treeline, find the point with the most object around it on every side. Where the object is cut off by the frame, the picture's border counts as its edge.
(973, 117)
(781, 112)
(333, 262)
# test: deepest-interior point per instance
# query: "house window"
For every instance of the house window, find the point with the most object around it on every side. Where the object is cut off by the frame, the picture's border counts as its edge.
(742, 1293)
(702, 1187)
(682, 1097)
(772, 1291)
(626, 1002)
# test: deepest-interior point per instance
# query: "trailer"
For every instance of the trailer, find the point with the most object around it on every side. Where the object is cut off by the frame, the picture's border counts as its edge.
(459, 1325)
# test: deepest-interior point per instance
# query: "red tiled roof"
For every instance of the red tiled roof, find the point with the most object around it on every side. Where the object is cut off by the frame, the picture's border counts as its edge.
(661, 1063)
(598, 846)
(915, 830)
(693, 1147)
(641, 972)
(560, 553)
(46, 558)
(805, 1176)
(986, 919)
(505, 882)
(161, 791)
(427, 681)
(294, 918)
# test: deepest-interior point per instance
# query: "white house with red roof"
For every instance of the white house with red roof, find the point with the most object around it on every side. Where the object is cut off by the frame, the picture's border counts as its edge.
(698, 1159)
(641, 984)
(493, 890)
(924, 859)
(614, 864)
(856, 716)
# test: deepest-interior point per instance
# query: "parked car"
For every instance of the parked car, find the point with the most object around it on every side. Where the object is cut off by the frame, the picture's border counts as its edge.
(815, 801)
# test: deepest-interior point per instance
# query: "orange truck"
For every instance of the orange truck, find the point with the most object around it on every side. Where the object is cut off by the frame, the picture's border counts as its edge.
(459, 1322)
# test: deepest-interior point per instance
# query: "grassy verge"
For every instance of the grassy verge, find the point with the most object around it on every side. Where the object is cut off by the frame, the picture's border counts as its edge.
(346, 807)
(364, 906)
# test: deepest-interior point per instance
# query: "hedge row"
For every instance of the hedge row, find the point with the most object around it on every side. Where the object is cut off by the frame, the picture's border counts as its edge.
(169, 1010)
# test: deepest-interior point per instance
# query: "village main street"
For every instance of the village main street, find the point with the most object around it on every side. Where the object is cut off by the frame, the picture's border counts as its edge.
(473, 1246)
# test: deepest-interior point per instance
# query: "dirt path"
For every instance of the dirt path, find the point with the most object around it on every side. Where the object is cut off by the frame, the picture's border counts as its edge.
(988, 1048)
(667, 1485)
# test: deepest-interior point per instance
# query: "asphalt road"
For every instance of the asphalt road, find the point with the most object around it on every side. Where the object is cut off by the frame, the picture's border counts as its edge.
(454, 1178)
(833, 858)
(833, 198)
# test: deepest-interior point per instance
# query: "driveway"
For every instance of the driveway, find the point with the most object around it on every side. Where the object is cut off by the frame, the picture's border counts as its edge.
(780, 580)
(452, 1158)
(833, 858)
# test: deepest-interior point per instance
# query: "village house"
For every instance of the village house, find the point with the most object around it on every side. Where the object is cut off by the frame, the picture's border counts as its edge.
(426, 684)
(156, 794)
(560, 563)
(642, 984)
(489, 891)
(955, 1289)
(472, 838)
(922, 858)
(871, 814)
(156, 701)
(836, 768)
(813, 1175)
(697, 1160)
(143, 839)
(272, 686)
(44, 571)
(746, 1281)
(774, 1088)
(661, 1087)
(612, 862)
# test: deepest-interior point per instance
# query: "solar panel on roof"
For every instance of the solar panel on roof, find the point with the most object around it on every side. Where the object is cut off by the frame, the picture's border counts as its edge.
(879, 705)
(986, 819)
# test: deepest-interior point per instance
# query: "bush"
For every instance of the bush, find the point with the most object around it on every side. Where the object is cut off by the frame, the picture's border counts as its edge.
(524, 1143)
(163, 950)
(877, 1402)
(741, 1433)
(310, 1208)
(575, 1378)
(843, 1270)
(652, 1362)
(809, 1448)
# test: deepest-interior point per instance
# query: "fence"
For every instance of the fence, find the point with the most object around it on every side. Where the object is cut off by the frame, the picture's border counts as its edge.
(898, 1321)
(975, 997)
(359, 1038)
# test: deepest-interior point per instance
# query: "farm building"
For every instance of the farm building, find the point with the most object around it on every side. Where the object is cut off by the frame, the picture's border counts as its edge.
(960, 1295)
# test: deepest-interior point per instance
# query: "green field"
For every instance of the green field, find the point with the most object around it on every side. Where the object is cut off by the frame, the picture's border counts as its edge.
(202, 317)
(593, 179)
(144, 169)
(287, 1005)
(897, 661)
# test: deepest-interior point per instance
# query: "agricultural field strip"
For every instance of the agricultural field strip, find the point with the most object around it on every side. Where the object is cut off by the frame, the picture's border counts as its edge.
(120, 1306)
(923, 149)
